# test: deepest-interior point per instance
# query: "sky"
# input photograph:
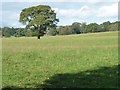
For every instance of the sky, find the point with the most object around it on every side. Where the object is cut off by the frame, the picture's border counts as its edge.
(89, 11)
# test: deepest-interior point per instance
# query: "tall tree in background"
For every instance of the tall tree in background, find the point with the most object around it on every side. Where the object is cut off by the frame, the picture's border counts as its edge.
(40, 18)
(106, 26)
(76, 28)
(83, 27)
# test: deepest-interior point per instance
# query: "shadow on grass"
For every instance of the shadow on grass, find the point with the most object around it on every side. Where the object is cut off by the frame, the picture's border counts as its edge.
(101, 78)
(105, 77)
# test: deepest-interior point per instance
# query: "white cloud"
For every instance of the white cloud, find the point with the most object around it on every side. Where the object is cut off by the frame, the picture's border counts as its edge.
(108, 11)
(97, 1)
(83, 12)
(88, 1)
(86, 12)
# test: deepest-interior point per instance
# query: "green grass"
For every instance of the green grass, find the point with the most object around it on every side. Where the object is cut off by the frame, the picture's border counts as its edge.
(87, 60)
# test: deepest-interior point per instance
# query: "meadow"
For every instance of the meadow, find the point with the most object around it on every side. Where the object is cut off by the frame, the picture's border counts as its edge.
(86, 60)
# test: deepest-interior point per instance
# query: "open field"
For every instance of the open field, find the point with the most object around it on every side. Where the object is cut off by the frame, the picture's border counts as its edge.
(88, 60)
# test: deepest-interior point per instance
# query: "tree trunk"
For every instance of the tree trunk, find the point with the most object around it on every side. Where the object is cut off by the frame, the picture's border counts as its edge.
(38, 37)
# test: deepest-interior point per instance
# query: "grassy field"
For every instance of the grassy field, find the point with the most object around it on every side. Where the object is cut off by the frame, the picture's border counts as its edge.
(87, 60)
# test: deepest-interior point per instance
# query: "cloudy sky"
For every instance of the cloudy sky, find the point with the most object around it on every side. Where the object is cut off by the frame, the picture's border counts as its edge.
(88, 11)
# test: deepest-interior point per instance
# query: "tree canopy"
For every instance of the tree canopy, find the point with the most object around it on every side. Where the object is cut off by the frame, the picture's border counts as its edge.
(40, 18)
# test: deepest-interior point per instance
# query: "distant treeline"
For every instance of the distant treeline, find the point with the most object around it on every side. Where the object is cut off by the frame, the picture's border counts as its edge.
(75, 28)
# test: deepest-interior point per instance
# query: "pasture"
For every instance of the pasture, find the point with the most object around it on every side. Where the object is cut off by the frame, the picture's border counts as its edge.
(86, 60)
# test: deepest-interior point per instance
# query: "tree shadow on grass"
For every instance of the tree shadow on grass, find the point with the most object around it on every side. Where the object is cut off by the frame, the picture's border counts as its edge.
(105, 77)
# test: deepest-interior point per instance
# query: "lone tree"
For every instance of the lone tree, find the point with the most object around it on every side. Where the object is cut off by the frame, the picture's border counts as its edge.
(40, 18)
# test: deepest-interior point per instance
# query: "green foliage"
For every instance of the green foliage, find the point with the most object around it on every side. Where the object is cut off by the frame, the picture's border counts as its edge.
(83, 28)
(61, 61)
(39, 17)
(0, 32)
(75, 28)
(19, 32)
(28, 33)
(7, 32)
(92, 27)
(65, 30)
(79, 28)
(53, 32)
(106, 25)
(114, 26)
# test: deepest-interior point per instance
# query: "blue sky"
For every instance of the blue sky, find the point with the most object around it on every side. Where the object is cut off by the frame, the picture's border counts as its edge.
(68, 12)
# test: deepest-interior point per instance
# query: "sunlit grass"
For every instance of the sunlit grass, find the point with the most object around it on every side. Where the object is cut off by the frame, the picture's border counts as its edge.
(29, 61)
